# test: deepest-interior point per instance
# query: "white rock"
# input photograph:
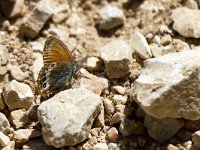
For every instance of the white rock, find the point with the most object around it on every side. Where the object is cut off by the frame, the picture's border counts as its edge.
(4, 124)
(140, 45)
(37, 65)
(19, 118)
(119, 89)
(67, 117)
(162, 129)
(117, 56)
(94, 63)
(4, 140)
(3, 55)
(37, 46)
(34, 21)
(110, 17)
(18, 95)
(196, 139)
(16, 73)
(119, 99)
(100, 146)
(92, 82)
(186, 27)
(168, 86)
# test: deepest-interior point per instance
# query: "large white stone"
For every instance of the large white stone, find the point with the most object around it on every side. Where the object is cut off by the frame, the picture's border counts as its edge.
(168, 86)
(140, 45)
(186, 22)
(67, 117)
(18, 95)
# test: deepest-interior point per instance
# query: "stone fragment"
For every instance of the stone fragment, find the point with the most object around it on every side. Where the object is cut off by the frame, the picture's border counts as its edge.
(108, 105)
(186, 27)
(12, 8)
(9, 146)
(100, 121)
(140, 45)
(19, 118)
(162, 129)
(128, 127)
(94, 64)
(21, 136)
(18, 95)
(37, 65)
(168, 86)
(37, 46)
(172, 147)
(92, 82)
(117, 56)
(196, 139)
(16, 73)
(110, 17)
(117, 118)
(34, 22)
(100, 146)
(112, 134)
(119, 99)
(166, 40)
(4, 140)
(4, 124)
(119, 89)
(67, 117)
(191, 4)
(128, 111)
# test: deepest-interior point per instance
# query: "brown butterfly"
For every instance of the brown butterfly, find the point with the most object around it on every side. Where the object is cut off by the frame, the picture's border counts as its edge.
(59, 67)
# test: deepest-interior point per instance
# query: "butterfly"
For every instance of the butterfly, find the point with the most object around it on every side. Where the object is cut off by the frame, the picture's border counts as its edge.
(58, 70)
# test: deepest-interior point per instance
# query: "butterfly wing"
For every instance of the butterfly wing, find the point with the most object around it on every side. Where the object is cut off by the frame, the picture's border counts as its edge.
(55, 50)
(59, 67)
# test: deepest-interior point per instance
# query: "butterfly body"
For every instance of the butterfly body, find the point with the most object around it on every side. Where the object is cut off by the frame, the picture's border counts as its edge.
(58, 70)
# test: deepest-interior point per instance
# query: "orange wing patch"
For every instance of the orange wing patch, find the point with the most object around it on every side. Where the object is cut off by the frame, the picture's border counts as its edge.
(55, 50)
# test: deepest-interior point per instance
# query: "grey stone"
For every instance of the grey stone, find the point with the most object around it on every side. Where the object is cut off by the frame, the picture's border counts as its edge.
(67, 117)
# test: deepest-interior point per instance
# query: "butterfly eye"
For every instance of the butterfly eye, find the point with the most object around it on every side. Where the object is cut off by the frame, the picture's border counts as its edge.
(44, 79)
(44, 85)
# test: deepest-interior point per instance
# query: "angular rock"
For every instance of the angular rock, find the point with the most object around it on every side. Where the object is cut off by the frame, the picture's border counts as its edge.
(119, 99)
(140, 45)
(108, 105)
(94, 64)
(34, 22)
(168, 86)
(192, 4)
(16, 73)
(4, 124)
(119, 89)
(117, 56)
(21, 136)
(117, 118)
(186, 27)
(196, 139)
(12, 8)
(67, 117)
(18, 95)
(110, 17)
(162, 129)
(92, 82)
(32, 112)
(112, 134)
(19, 118)
(4, 140)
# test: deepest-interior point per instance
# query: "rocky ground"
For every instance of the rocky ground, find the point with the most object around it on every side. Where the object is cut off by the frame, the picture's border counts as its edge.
(139, 86)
